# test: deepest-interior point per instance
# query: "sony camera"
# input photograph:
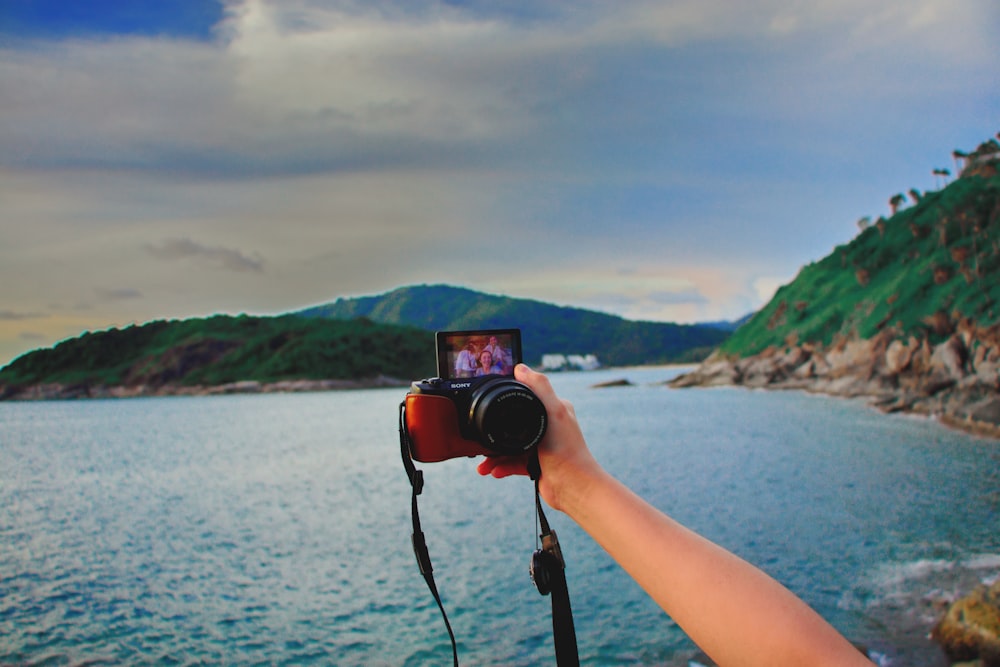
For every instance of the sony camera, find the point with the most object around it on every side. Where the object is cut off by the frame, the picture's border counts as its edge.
(474, 407)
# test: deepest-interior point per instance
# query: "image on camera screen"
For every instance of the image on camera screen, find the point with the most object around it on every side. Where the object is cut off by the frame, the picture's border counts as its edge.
(468, 354)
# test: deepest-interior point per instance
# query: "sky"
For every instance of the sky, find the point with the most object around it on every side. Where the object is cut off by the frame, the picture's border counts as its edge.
(667, 161)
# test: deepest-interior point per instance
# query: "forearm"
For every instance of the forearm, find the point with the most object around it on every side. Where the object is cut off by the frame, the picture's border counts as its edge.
(732, 610)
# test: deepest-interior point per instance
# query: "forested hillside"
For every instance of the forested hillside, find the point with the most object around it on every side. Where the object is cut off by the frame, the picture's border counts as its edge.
(546, 328)
(204, 354)
(221, 350)
(907, 313)
(915, 273)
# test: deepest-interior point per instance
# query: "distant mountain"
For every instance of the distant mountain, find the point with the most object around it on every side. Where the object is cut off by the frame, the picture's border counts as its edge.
(728, 325)
(545, 328)
(198, 355)
(372, 341)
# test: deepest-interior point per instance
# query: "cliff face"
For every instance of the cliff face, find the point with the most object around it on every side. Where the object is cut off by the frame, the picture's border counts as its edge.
(908, 313)
(957, 380)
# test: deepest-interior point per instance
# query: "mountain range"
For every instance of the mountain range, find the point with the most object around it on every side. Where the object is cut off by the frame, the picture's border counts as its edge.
(377, 340)
(545, 328)
(908, 312)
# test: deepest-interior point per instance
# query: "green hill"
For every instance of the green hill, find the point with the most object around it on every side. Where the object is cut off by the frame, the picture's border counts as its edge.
(221, 350)
(906, 314)
(545, 328)
(351, 340)
(916, 273)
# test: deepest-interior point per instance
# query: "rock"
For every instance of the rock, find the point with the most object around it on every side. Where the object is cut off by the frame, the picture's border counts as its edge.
(717, 370)
(242, 387)
(898, 356)
(948, 359)
(988, 372)
(957, 381)
(986, 410)
(612, 383)
(970, 628)
(757, 371)
(853, 357)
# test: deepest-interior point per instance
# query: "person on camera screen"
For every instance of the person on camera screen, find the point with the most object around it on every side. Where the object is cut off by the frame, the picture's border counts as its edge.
(466, 362)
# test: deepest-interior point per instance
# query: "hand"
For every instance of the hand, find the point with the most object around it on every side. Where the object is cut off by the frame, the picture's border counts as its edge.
(563, 455)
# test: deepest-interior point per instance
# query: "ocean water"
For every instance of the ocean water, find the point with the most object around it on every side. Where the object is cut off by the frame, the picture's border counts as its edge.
(275, 529)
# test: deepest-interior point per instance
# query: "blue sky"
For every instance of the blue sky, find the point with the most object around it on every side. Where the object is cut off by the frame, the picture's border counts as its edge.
(672, 161)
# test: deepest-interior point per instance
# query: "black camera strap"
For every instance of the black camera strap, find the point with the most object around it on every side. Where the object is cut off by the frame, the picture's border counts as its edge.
(419, 543)
(547, 564)
(548, 571)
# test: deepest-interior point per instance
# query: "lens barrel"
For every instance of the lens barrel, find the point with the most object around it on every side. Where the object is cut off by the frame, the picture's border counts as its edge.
(508, 416)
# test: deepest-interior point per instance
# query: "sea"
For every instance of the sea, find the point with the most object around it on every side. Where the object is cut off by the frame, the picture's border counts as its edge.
(275, 529)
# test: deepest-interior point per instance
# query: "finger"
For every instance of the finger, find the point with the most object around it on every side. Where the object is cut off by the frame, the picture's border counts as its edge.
(486, 466)
(502, 466)
(538, 383)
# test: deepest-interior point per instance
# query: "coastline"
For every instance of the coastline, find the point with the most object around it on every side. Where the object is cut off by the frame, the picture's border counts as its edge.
(61, 391)
(956, 382)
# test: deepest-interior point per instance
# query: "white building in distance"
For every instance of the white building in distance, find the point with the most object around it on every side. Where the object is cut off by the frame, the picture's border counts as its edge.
(567, 362)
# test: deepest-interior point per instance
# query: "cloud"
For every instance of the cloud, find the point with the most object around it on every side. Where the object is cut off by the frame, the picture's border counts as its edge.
(118, 294)
(690, 296)
(530, 148)
(305, 86)
(220, 257)
(11, 315)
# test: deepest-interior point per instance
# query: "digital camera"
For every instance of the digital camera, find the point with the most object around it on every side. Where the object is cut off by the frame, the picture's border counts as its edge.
(474, 407)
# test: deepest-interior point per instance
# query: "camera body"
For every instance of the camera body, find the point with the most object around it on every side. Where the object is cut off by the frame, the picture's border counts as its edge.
(474, 407)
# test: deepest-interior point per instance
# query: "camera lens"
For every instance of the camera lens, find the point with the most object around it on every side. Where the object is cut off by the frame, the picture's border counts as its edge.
(508, 416)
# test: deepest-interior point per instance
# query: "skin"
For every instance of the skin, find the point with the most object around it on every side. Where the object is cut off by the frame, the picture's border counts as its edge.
(735, 612)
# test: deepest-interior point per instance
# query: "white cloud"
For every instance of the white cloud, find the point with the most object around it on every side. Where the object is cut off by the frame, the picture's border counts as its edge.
(229, 259)
(530, 148)
(306, 86)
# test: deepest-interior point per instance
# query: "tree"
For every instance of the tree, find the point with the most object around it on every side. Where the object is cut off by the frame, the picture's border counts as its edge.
(941, 174)
(959, 157)
(896, 201)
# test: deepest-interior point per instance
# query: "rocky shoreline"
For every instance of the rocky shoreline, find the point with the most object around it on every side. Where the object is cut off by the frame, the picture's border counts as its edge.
(58, 391)
(969, 631)
(956, 381)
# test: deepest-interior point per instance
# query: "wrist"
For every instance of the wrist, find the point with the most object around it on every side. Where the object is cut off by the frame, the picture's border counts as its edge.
(567, 486)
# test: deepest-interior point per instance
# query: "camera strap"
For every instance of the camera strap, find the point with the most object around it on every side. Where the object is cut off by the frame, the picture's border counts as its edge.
(419, 543)
(547, 564)
(548, 571)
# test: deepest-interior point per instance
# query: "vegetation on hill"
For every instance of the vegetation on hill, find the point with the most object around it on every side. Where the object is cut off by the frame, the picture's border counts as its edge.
(223, 349)
(916, 273)
(545, 328)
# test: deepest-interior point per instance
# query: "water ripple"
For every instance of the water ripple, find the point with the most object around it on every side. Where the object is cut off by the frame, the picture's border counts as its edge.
(275, 529)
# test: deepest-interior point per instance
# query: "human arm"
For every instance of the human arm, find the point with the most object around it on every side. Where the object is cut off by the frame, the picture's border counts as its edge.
(735, 612)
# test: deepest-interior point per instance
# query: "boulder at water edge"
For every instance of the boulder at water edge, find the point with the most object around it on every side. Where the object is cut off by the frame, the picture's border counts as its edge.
(970, 629)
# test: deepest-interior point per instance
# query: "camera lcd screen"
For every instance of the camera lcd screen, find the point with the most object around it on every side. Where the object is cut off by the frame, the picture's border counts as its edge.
(467, 354)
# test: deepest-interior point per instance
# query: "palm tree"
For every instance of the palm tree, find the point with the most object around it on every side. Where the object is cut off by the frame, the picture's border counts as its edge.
(943, 173)
(896, 201)
(959, 157)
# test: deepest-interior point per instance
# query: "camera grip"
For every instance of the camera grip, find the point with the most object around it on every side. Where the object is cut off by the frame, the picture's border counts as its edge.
(432, 422)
